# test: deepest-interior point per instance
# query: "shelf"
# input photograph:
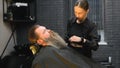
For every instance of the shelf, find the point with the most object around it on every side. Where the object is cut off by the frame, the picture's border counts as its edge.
(19, 11)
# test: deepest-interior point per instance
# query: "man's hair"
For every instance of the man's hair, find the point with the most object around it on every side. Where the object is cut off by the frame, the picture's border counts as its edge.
(83, 4)
(32, 36)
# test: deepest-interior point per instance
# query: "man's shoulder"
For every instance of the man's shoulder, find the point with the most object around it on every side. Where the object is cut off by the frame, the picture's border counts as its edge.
(45, 52)
(48, 49)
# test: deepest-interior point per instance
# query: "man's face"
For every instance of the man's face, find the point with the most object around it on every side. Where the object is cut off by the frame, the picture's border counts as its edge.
(49, 37)
(42, 32)
(80, 13)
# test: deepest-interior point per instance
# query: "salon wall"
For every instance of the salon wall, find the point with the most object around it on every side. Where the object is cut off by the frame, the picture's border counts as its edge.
(5, 32)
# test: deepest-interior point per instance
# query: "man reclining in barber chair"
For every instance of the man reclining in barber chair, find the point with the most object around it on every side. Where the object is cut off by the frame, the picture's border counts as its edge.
(55, 53)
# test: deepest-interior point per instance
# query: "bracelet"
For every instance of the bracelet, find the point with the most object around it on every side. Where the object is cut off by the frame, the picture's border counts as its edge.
(82, 40)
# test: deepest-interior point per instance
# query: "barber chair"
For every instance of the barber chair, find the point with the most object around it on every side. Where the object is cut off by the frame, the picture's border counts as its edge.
(22, 57)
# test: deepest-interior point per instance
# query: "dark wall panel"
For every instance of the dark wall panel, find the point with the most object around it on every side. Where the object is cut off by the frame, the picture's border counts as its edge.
(112, 33)
(51, 13)
(112, 29)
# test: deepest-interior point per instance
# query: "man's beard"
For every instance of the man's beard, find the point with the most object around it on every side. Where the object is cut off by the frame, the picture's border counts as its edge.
(56, 40)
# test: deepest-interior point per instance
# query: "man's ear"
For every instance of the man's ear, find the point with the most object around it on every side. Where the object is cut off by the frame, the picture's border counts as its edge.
(40, 42)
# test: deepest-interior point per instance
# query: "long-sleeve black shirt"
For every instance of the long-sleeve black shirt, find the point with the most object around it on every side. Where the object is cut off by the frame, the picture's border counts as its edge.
(87, 30)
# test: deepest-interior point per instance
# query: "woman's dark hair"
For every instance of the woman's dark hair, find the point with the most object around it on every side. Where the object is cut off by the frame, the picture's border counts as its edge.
(83, 4)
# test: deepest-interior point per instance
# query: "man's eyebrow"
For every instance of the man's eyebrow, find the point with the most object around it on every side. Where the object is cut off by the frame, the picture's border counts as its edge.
(44, 31)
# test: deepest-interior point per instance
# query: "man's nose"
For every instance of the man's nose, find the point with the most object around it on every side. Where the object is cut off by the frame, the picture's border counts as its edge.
(77, 15)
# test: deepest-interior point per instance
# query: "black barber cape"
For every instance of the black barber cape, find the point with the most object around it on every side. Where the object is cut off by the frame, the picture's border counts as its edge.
(50, 57)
